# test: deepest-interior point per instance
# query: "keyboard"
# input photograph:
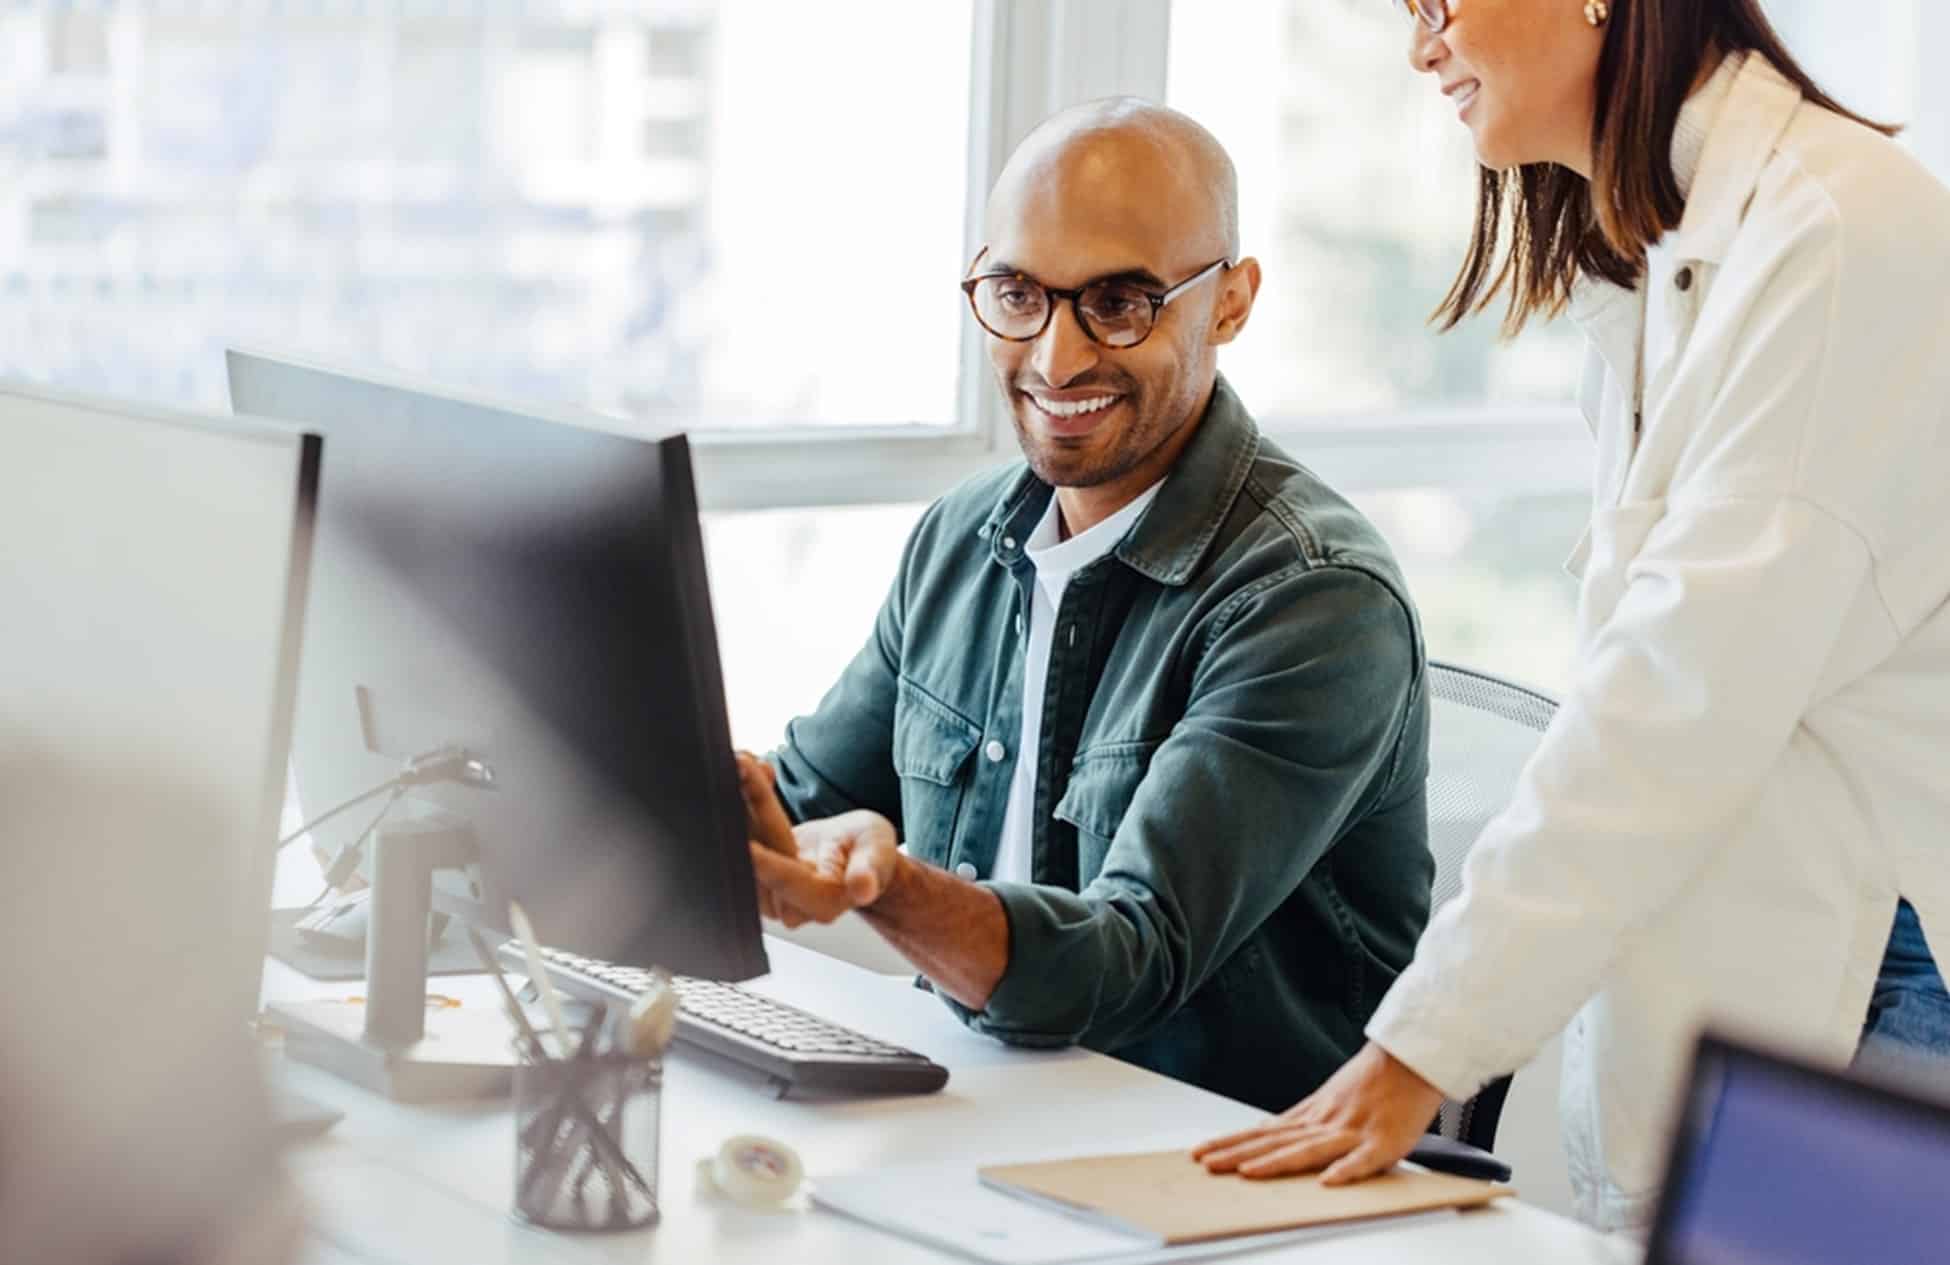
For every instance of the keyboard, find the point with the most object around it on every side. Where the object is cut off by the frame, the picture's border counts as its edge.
(799, 1050)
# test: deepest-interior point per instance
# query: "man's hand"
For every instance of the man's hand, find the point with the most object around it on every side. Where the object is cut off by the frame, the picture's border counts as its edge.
(1366, 1118)
(954, 932)
(843, 863)
(769, 823)
(819, 870)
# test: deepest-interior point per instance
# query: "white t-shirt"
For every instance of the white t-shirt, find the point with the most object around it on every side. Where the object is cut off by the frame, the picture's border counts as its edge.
(1055, 560)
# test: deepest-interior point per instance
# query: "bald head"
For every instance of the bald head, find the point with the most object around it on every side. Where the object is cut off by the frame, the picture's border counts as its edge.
(1123, 166)
(1114, 218)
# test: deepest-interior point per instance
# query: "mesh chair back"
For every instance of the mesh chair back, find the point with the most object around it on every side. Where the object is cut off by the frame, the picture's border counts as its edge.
(1482, 732)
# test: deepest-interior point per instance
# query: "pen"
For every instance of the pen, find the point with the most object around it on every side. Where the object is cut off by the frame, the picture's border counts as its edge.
(538, 970)
(531, 1041)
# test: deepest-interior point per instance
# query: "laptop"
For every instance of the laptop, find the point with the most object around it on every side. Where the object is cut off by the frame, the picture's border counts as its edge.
(1779, 1162)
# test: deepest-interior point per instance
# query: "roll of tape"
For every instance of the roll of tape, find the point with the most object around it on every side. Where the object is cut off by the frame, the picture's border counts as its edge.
(757, 1172)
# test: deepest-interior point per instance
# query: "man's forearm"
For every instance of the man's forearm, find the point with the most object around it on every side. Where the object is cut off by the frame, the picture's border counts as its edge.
(954, 932)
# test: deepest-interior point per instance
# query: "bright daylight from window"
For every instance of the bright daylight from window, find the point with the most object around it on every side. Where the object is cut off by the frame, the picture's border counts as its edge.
(735, 214)
(686, 212)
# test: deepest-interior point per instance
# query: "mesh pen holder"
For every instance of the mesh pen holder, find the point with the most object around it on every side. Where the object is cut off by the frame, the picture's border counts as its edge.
(586, 1134)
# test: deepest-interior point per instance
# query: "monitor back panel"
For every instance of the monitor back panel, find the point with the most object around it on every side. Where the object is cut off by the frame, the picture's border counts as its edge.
(531, 590)
(153, 587)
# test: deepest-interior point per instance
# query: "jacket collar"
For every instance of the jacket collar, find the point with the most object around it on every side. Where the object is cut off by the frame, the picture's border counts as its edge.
(1171, 537)
(1696, 119)
(1723, 171)
(1759, 106)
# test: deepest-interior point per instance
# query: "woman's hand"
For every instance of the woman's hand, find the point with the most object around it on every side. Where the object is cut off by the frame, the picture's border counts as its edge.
(1365, 1119)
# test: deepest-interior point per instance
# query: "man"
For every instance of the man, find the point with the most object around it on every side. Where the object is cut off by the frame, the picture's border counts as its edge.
(1147, 710)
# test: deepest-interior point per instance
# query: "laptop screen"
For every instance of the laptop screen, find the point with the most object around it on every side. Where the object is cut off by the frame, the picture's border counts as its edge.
(1779, 1164)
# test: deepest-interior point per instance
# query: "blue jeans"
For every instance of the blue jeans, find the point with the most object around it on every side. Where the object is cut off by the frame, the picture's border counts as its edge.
(1909, 1016)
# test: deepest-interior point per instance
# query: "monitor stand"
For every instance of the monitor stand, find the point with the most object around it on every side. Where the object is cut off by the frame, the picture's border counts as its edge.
(392, 1043)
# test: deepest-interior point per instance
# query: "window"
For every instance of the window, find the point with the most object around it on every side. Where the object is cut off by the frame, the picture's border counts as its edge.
(1871, 56)
(744, 218)
(697, 214)
(1358, 187)
(795, 593)
(1357, 190)
(1863, 54)
(842, 184)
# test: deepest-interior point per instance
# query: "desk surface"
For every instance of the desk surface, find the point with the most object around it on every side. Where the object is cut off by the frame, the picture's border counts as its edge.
(392, 1183)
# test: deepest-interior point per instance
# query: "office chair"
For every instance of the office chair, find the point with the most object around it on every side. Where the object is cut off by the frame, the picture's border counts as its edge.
(1482, 731)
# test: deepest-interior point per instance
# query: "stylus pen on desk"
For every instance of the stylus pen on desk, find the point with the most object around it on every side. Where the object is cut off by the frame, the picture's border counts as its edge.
(531, 1041)
(551, 1001)
(546, 1124)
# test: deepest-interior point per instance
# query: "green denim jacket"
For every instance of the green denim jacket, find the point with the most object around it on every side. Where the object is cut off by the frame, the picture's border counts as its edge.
(1230, 853)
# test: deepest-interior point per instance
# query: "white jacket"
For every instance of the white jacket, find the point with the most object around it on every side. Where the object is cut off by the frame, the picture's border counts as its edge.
(1752, 761)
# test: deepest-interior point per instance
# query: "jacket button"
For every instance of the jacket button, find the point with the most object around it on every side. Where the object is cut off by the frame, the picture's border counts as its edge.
(1008, 542)
(995, 751)
(966, 871)
(1684, 280)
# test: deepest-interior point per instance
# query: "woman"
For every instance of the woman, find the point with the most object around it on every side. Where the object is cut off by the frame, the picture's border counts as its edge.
(1751, 766)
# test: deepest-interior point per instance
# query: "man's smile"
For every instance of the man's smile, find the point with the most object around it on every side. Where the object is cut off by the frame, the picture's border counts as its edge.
(1072, 414)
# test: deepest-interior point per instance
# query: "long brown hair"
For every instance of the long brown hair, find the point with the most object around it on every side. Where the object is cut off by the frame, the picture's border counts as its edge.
(1561, 226)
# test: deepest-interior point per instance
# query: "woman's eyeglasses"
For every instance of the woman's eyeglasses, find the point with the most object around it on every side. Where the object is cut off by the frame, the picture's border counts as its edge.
(1433, 14)
(1119, 314)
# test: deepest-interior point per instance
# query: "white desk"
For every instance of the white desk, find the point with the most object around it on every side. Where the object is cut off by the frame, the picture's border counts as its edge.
(432, 1184)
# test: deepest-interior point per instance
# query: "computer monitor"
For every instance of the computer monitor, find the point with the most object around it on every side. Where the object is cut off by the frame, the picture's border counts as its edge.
(529, 587)
(152, 584)
(154, 587)
(1781, 1161)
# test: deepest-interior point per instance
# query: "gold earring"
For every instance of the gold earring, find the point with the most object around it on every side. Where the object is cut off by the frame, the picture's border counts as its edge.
(1597, 12)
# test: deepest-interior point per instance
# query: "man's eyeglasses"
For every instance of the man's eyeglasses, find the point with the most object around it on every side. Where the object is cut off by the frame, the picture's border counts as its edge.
(1433, 14)
(1119, 314)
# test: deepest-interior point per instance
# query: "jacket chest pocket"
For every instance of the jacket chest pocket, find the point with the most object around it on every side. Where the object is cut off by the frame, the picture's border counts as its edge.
(1103, 781)
(933, 744)
(1604, 557)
